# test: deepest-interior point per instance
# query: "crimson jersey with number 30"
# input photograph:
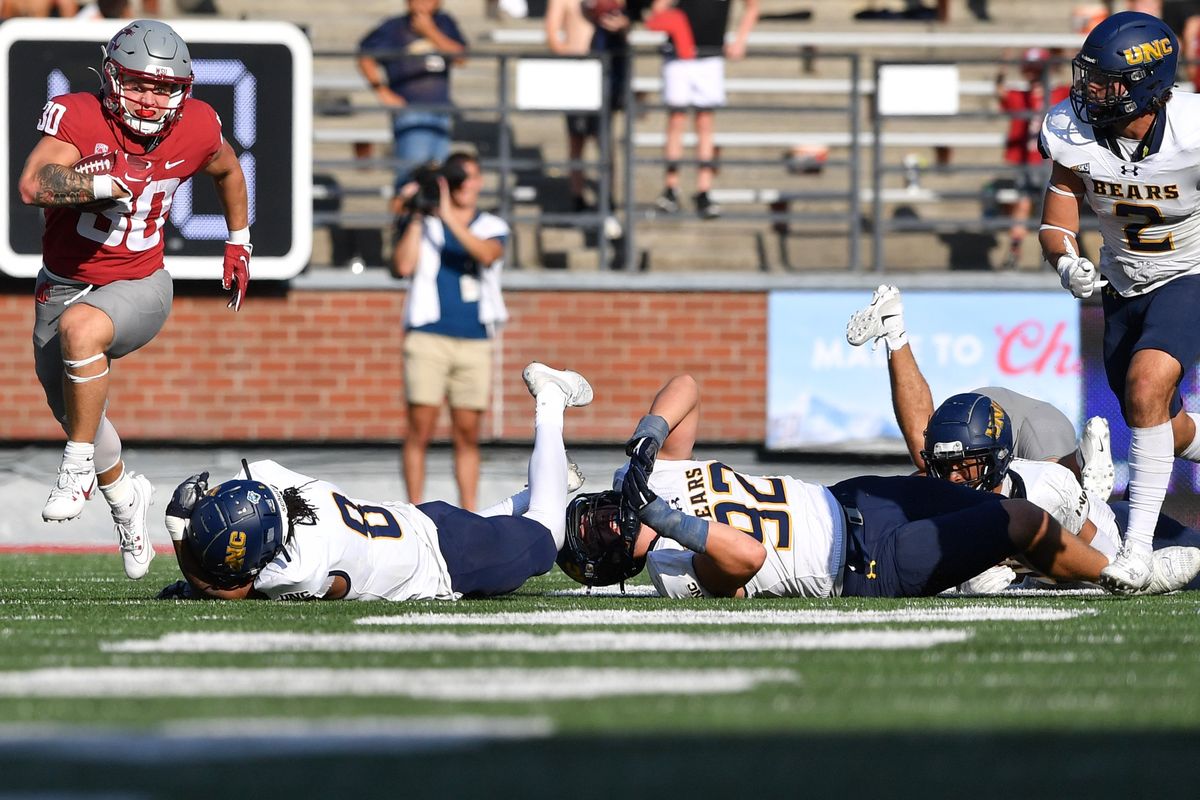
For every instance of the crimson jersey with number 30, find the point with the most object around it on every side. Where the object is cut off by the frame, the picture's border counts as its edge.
(100, 247)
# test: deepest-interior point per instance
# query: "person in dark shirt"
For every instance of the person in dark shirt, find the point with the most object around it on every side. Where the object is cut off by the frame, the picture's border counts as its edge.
(696, 80)
(420, 77)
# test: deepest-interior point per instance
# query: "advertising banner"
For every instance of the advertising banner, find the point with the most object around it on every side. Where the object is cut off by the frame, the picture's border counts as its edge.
(824, 395)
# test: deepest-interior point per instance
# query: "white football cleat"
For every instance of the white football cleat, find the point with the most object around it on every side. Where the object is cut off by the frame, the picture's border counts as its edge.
(576, 388)
(1129, 573)
(133, 534)
(1094, 457)
(882, 319)
(75, 486)
(575, 477)
(1172, 569)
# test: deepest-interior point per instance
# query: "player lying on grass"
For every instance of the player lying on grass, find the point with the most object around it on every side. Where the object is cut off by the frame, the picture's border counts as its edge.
(274, 533)
(976, 438)
(969, 440)
(705, 530)
(1040, 432)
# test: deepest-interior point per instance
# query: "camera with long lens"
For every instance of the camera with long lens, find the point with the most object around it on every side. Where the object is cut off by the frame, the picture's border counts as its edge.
(428, 196)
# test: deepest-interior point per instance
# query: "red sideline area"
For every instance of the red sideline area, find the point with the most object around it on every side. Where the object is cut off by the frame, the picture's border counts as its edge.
(55, 549)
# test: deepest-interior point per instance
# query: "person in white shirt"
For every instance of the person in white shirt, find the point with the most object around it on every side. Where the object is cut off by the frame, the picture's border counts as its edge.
(454, 254)
(272, 533)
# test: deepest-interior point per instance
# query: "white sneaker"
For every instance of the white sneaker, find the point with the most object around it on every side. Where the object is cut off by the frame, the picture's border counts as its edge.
(882, 319)
(75, 486)
(133, 535)
(573, 385)
(1172, 569)
(575, 477)
(1129, 573)
(1094, 457)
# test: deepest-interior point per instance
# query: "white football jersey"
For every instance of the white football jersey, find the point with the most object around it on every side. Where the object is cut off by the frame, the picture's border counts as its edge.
(384, 551)
(1147, 209)
(800, 525)
(1054, 489)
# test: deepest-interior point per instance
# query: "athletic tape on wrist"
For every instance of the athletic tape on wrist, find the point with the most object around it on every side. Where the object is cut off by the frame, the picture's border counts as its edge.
(102, 187)
(689, 531)
(651, 426)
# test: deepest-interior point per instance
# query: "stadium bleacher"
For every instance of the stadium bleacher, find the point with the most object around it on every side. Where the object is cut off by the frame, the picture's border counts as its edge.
(754, 142)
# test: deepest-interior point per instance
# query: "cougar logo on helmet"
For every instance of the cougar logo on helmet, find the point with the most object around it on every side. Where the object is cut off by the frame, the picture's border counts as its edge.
(146, 50)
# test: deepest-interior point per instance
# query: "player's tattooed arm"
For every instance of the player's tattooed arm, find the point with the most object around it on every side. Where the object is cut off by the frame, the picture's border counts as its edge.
(58, 185)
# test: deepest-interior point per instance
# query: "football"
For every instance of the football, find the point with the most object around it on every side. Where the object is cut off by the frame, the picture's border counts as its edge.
(96, 164)
(593, 10)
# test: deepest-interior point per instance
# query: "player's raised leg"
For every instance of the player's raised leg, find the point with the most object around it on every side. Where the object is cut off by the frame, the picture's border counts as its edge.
(553, 392)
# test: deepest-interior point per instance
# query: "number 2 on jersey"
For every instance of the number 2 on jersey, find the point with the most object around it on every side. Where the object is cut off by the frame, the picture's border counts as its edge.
(1133, 231)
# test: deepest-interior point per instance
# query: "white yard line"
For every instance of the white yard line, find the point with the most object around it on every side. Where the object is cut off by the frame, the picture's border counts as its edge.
(758, 616)
(425, 684)
(583, 641)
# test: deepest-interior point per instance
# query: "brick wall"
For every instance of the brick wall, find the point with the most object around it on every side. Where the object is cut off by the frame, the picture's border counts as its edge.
(316, 366)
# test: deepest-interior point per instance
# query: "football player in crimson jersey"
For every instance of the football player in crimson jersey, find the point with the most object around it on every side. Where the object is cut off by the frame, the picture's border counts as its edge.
(1132, 151)
(105, 171)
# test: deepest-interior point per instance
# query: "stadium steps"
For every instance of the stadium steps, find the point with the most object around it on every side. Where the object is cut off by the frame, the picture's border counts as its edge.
(672, 244)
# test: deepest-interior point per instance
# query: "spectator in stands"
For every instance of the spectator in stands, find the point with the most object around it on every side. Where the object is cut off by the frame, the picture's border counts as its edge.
(694, 77)
(570, 31)
(419, 77)
(454, 253)
(38, 8)
(106, 9)
(1189, 42)
(1026, 102)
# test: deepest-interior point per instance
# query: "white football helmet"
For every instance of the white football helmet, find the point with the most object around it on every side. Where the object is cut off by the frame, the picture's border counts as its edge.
(147, 50)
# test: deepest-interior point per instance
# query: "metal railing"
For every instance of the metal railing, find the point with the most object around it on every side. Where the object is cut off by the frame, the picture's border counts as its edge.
(780, 207)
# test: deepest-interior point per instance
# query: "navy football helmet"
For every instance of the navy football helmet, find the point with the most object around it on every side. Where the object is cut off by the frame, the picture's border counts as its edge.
(972, 433)
(237, 528)
(1125, 68)
(601, 531)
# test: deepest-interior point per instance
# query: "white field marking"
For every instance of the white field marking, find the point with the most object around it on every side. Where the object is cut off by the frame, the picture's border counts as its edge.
(640, 590)
(206, 739)
(758, 616)
(521, 642)
(425, 684)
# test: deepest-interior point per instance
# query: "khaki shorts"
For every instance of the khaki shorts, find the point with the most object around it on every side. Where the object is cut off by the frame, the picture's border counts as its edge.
(438, 367)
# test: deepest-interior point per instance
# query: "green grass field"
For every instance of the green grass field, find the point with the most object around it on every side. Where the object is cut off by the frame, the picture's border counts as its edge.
(1035, 693)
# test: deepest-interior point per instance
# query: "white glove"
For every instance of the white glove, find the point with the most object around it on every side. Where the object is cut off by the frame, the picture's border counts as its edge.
(124, 204)
(179, 510)
(992, 581)
(1078, 275)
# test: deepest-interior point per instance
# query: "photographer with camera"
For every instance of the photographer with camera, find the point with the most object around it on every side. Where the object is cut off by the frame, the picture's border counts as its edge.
(454, 254)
